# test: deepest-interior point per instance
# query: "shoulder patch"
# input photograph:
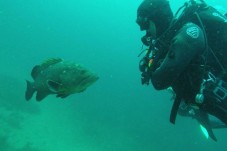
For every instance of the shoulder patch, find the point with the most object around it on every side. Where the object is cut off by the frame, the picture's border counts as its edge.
(193, 32)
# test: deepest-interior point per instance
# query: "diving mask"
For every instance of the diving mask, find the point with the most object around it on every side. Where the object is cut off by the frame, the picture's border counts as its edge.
(143, 22)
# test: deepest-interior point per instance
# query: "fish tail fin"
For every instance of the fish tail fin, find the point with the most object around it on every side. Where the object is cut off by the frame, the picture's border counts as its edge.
(30, 90)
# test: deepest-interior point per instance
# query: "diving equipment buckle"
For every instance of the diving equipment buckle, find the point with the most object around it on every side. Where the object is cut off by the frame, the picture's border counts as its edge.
(221, 90)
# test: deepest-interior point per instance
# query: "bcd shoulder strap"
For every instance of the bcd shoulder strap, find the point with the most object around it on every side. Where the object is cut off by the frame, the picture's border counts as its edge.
(175, 108)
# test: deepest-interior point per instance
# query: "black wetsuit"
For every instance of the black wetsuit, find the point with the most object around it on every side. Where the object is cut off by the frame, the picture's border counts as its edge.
(182, 66)
(186, 48)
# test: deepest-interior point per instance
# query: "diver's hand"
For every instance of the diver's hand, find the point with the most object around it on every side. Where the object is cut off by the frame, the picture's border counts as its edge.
(145, 78)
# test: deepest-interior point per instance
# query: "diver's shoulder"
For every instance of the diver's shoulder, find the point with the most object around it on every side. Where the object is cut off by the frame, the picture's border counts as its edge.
(192, 30)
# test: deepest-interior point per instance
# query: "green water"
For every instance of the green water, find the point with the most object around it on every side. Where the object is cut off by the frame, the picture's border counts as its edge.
(117, 113)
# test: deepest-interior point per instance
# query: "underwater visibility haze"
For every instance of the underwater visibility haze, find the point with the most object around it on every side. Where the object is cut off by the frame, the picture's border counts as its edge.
(116, 113)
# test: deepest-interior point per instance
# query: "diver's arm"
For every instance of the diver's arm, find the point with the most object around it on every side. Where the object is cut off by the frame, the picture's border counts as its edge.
(186, 45)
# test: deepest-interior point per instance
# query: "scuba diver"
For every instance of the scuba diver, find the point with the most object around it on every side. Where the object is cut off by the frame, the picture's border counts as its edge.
(186, 52)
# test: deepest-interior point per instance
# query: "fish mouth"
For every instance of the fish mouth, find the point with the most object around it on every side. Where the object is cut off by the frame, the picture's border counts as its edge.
(89, 80)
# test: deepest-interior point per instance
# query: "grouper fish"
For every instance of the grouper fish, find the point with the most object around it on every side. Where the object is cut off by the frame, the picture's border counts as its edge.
(56, 76)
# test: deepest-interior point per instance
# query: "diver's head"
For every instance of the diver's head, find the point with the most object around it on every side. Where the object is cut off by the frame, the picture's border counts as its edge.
(154, 16)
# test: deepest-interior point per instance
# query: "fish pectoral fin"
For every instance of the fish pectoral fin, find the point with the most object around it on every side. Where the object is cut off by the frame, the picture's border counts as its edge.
(62, 95)
(53, 86)
(41, 95)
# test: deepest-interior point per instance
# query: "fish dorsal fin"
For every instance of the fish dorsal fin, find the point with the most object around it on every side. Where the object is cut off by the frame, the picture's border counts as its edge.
(38, 68)
(35, 71)
(50, 61)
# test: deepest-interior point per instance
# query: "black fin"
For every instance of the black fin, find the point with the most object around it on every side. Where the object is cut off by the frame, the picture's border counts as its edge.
(216, 123)
(211, 134)
(204, 121)
(53, 86)
(36, 71)
(30, 90)
(41, 95)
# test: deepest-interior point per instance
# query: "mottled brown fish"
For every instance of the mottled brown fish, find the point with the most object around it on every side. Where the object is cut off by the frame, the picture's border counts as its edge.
(55, 76)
